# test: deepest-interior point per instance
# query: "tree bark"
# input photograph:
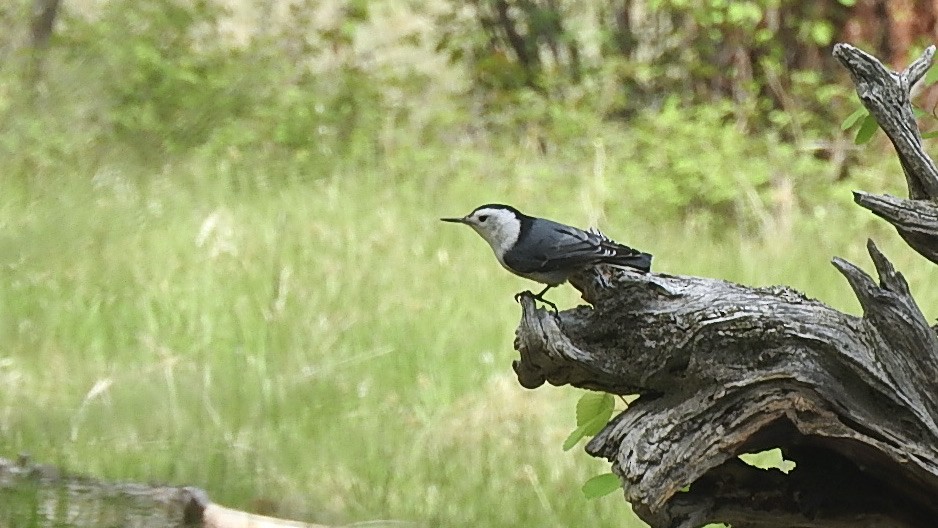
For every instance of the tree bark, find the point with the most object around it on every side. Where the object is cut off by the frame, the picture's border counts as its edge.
(724, 369)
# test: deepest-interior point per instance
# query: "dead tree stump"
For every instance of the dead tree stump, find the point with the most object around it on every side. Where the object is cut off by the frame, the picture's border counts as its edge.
(723, 369)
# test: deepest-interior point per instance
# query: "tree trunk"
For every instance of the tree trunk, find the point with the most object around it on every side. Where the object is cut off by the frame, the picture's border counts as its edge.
(724, 369)
(43, 21)
(44, 14)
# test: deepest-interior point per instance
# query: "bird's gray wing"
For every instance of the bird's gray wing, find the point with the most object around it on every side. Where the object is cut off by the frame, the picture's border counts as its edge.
(551, 246)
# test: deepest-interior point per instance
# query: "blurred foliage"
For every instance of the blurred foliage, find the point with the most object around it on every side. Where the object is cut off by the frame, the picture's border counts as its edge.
(770, 57)
(170, 81)
(159, 78)
(711, 167)
(161, 83)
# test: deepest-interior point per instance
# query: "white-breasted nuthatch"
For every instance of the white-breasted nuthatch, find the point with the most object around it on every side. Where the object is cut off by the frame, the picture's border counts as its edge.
(543, 250)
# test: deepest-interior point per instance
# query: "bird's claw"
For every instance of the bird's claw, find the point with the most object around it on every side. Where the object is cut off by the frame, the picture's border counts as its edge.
(548, 303)
(537, 297)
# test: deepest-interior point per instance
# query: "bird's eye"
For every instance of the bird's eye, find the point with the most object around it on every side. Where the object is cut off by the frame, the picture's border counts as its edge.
(483, 218)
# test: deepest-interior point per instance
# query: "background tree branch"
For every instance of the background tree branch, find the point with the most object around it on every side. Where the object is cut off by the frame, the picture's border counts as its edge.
(886, 95)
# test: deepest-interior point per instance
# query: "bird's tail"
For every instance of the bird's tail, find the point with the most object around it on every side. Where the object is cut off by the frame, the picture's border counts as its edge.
(636, 259)
(622, 255)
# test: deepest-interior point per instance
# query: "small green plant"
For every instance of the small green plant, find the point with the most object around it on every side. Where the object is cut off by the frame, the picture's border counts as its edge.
(866, 125)
(593, 411)
(601, 485)
(864, 122)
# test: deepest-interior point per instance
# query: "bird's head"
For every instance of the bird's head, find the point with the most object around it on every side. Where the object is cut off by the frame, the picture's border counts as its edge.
(499, 225)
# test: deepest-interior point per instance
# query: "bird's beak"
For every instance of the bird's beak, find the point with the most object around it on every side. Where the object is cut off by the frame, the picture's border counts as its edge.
(456, 220)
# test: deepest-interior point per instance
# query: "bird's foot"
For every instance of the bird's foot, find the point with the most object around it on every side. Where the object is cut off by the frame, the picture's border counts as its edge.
(548, 303)
(537, 297)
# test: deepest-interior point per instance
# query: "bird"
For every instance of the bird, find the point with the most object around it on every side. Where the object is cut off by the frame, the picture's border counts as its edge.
(546, 251)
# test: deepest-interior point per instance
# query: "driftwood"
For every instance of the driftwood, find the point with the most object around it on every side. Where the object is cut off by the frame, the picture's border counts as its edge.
(43, 496)
(723, 369)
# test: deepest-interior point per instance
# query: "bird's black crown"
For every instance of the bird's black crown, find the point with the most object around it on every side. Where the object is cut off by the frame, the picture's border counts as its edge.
(516, 212)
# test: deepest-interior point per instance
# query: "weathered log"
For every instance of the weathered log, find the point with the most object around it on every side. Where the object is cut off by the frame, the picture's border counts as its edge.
(723, 369)
(886, 95)
(43, 496)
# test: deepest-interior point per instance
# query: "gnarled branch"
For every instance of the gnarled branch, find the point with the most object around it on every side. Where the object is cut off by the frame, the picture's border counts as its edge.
(915, 220)
(886, 95)
(723, 369)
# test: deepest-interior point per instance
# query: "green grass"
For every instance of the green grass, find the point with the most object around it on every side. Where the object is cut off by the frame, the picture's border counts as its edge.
(329, 346)
(323, 345)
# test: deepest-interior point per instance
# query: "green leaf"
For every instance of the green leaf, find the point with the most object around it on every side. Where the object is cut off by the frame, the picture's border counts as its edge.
(574, 437)
(601, 485)
(598, 422)
(853, 118)
(592, 404)
(590, 428)
(593, 411)
(866, 131)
